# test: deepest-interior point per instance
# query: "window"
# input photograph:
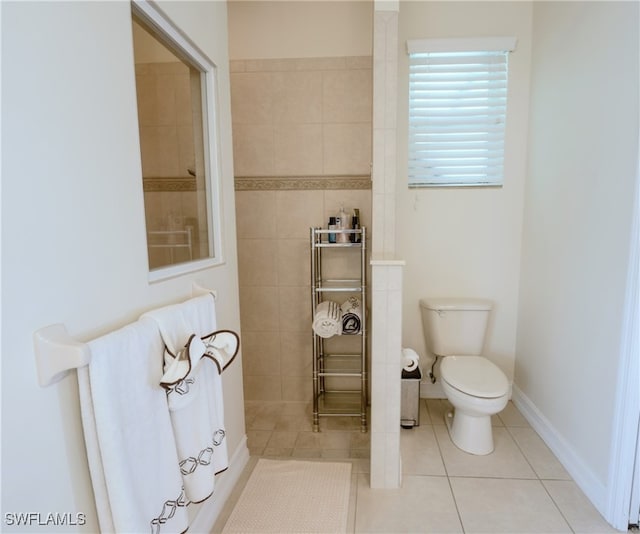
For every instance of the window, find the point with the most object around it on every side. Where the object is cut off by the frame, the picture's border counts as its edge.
(175, 87)
(457, 111)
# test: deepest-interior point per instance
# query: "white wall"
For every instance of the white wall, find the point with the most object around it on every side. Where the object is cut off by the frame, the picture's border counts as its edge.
(300, 29)
(465, 242)
(578, 215)
(73, 231)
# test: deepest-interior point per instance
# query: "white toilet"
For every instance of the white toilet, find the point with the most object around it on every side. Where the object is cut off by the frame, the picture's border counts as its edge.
(476, 387)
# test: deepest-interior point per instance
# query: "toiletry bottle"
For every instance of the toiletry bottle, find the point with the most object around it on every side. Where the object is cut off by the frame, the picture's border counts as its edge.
(343, 225)
(355, 225)
(332, 226)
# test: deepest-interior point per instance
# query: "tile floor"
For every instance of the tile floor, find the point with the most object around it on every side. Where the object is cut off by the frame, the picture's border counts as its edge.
(520, 487)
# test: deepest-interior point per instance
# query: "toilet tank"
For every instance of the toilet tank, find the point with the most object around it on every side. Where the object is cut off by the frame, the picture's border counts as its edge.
(455, 326)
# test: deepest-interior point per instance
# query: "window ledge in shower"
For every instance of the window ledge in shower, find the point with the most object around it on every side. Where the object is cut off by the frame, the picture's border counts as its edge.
(292, 183)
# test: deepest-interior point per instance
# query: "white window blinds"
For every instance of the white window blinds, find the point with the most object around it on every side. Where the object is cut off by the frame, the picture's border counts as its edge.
(457, 111)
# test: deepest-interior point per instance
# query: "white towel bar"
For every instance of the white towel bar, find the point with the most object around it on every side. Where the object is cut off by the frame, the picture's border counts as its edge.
(57, 352)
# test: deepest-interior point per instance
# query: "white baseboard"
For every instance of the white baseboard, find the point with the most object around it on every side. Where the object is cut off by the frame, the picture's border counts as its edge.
(593, 488)
(431, 391)
(210, 509)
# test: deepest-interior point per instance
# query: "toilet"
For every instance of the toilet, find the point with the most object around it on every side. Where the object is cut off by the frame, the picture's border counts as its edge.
(455, 329)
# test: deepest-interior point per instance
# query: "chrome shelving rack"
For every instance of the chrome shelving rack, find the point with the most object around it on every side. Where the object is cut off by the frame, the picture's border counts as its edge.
(338, 402)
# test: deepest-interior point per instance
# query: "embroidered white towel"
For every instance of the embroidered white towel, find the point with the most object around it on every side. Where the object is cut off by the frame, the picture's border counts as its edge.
(130, 447)
(327, 321)
(195, 401)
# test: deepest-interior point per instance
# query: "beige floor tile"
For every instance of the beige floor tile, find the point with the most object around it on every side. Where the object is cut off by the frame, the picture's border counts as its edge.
(323, 440)
(296, 408)
(258, 438)
(336, 454)
(511, 416)
(361, 465)
(263, 422)
(544, 463)
(270, 408)
(360, 453)
(309, 440)
(251, 410)
(576, 508)
(360, 440)
(425, 418)
(420, 452)
(284, 439)
(506, 460)
(422, 504)
(277, 452)
(437, 409)
(294, 423)
(506, 506)
(306, 453)
(340, 423)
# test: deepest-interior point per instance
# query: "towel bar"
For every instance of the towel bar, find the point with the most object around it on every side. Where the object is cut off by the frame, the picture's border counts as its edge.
(57, 352)
(197, 290)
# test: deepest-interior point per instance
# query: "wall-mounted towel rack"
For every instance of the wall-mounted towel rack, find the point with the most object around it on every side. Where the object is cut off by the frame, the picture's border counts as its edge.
(57, 352)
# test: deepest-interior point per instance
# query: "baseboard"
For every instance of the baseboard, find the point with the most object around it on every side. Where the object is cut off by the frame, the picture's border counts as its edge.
(225, 482)
(431, 391)
(593, 488)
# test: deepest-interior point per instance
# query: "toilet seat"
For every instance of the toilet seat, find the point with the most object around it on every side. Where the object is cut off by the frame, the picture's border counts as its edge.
(475, 376)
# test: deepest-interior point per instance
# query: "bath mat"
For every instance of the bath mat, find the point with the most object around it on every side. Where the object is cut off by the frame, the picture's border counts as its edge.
(285, 496)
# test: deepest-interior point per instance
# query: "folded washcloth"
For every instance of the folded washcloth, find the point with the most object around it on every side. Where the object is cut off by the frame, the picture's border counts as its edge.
(351, 316)
(132, 455)
(194, 392)
(327, 321)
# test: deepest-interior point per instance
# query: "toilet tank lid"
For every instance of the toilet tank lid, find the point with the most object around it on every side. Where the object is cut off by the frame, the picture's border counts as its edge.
(442, 304)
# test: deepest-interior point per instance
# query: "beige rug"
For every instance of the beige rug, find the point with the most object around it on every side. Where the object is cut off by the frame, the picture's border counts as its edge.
(293, 496)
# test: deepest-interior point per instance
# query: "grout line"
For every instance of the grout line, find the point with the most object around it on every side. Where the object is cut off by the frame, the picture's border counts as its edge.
(444, 464)
(556, 505)
(522, 452)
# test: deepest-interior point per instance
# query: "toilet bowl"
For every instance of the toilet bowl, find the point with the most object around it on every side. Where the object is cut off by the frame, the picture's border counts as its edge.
(476, 387)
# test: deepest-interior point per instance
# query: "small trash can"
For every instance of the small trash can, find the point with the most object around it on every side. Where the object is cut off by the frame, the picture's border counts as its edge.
(410, 400)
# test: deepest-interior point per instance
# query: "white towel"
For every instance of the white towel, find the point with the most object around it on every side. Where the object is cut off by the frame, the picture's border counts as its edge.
(178, 322)
(195, 400)
(327, 321)
(351, 316)
(132, 455)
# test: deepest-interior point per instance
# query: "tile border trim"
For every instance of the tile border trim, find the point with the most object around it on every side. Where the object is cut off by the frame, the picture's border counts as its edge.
(292, 183)
(300, 64)
(177, 184)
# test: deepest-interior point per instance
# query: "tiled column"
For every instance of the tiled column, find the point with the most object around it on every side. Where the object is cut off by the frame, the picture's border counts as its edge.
(386, 270)
(386, 368)
(385, 82)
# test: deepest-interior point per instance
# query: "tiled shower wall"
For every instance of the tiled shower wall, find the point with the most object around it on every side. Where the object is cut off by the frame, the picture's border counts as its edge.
(302, 148)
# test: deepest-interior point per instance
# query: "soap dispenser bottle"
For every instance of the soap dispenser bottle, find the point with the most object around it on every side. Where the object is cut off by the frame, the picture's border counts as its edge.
(343, 225)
